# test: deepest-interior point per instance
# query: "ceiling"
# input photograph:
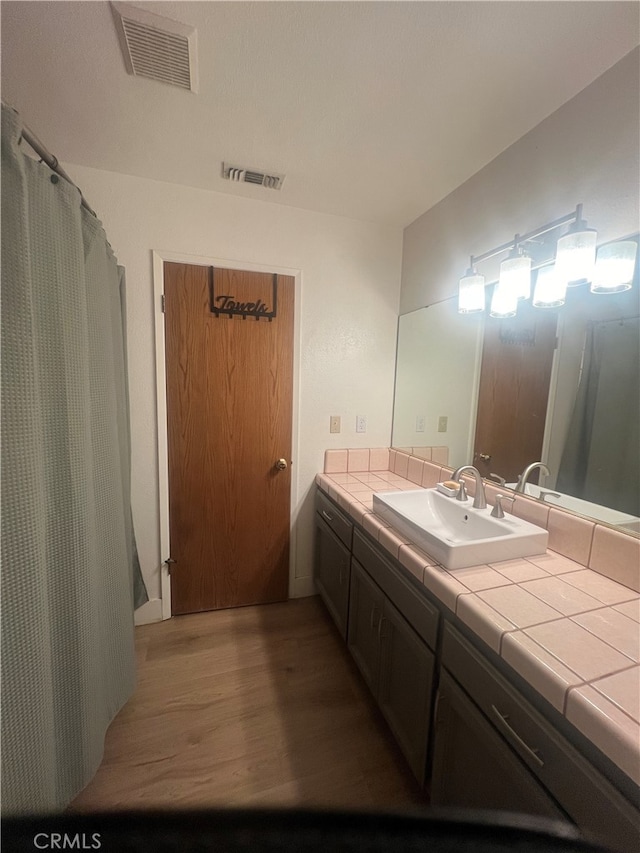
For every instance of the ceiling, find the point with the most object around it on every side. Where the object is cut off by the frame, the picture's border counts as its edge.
(372, 110)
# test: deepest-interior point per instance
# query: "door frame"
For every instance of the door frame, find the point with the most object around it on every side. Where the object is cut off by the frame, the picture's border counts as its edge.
(159, 257)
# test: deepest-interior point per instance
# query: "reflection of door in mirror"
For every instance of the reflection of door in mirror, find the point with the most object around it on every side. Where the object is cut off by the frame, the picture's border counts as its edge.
(517, 357)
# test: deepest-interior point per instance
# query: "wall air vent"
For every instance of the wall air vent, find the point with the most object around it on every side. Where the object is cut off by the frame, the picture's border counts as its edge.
(252, 176)
(157, 47)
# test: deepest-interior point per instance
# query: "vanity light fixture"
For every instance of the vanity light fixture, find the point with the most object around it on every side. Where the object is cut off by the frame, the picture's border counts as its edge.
(515, 272)
(576, 262)
(550, 290)
(471, 295)
(576, 252)
(615, 263)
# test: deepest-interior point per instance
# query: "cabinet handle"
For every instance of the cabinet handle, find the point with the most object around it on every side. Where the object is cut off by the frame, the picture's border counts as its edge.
(327, 516)
(504, 725)
(373, 610)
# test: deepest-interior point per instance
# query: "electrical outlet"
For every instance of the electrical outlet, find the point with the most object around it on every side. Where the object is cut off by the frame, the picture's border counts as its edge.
(442, 423)
(334, 423)
(420, 419)
(361, 423)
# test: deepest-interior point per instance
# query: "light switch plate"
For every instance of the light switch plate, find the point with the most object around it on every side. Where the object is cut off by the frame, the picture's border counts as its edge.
(334, 423)
(442, 423)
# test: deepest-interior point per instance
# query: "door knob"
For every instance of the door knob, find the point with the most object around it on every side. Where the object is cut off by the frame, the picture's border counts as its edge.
(484, 456)
(281, 464)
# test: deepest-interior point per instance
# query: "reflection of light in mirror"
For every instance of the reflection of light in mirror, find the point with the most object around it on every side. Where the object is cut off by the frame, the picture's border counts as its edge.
(550, 291)
(504, 302)
(615, 264)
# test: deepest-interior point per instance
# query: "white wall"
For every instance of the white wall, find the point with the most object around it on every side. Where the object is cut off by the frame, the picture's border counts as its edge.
(350, 279)
(587, 151)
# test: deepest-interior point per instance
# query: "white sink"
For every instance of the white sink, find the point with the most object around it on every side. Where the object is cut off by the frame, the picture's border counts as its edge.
(454, 533)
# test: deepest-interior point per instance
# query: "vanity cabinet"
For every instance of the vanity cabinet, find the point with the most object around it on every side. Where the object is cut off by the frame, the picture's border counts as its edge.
(333, 560)
(493, 749)
(365, 623)
(405, 685)
(473, 767)
(392, 652)
(492, 745)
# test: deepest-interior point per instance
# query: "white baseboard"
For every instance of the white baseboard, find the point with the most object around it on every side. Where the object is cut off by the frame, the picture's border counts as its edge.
(149, 612)
(303, 587)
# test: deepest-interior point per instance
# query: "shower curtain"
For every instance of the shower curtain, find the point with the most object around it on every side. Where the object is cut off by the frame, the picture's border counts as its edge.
(601, 462)
(70, 576)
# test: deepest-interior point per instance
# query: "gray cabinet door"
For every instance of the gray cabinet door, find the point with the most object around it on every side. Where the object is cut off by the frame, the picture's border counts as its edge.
(365, 623)
(405, 685)
(474, 768)
(332, 568)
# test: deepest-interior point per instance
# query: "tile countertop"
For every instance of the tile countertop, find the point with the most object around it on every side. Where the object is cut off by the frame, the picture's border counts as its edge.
(570, 632)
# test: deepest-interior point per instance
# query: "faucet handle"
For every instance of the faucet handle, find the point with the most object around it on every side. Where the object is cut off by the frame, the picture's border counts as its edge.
(462, 491)
(499, 480)
(545, 494)
(498, 511)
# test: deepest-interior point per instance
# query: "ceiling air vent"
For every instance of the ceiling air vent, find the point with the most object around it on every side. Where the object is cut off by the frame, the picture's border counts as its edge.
(157, 47)
(252, 176)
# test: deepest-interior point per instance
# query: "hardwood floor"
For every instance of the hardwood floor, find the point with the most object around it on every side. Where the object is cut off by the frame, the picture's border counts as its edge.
(256, 706)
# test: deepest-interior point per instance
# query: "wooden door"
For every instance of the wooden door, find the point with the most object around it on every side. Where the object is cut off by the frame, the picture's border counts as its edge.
(517, 357)
(229, 417)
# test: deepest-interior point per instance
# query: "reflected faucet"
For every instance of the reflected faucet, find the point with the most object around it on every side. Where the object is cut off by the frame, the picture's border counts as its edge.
(480, 499)
(522, 479)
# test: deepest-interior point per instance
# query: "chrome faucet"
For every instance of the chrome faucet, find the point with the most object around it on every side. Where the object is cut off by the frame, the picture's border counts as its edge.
(522, 479)
(480, 498)
(498, 509)
(544, 495)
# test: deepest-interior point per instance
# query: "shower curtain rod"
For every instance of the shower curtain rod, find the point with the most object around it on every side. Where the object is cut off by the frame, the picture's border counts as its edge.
(52, 162)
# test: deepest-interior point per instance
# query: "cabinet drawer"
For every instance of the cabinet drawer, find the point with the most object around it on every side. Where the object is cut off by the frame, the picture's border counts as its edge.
(335, 518)
(584, 793)
(419, 613)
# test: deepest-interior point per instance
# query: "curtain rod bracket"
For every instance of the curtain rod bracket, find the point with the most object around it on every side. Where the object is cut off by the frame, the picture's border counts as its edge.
(50, 160)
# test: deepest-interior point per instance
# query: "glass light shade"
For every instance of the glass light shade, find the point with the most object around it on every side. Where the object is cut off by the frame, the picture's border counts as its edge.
(471, 293)
(504, 302)
(576, 256)
(515, 276)
(615, 264)
(550, 290)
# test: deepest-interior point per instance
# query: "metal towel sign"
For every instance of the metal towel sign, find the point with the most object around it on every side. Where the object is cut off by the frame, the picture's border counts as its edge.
(227, 303)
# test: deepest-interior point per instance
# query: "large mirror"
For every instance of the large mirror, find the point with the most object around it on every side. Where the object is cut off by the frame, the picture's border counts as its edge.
(559, 386)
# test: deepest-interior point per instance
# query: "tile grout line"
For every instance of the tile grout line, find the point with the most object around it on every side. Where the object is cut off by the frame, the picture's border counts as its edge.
(592, 684)
(598, 637)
